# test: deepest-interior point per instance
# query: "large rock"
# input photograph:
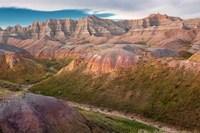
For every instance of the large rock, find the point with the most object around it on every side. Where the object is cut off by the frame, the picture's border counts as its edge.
(30, 113)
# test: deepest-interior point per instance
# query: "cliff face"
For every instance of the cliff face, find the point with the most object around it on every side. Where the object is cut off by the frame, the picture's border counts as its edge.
(153, 20)
(61, 28)
(99, 27)
(54, 38)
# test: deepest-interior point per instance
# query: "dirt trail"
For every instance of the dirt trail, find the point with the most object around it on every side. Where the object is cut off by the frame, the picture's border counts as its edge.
(161, 126)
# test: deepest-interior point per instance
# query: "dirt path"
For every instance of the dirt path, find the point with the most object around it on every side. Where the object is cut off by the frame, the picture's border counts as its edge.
(161, 126)
(26, 87)
(53, 69)
(135, 117)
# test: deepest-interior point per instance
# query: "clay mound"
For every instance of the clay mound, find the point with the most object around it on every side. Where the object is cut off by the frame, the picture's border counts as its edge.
(195, 57)
(161, 52)
(111, 59)
(49, 48)
(10, 55)
(40, 48)
(17, 65)
(19, 51)
(20, 113)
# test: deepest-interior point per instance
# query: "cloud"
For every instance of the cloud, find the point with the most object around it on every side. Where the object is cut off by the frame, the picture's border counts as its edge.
(124, 9)
(24, 17)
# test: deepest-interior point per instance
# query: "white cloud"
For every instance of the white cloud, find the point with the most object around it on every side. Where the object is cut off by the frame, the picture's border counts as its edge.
(124, 9)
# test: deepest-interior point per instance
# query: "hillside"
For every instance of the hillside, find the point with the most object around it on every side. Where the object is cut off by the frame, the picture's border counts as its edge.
(163, 93)
(17, 65)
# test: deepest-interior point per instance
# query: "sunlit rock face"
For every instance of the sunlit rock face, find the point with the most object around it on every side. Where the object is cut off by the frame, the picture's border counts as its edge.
(109, 60)
(105, 61)
(20, 113)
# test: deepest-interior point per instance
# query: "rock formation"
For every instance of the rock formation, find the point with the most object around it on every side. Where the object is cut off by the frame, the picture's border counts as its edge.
(54, 38)
(107, 58)
(21, 112)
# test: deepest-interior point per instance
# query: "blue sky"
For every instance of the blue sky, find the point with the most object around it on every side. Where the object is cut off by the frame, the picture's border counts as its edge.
(42, 10)
(24, 17)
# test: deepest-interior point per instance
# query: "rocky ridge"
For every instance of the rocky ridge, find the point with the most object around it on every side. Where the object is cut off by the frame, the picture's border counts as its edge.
(56, 38)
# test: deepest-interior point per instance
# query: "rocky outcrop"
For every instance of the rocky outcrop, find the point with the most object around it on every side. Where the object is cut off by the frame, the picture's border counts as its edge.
(32, 113)
(192, 23)
(153, 20)
(109, 60)
(59, 29)
(100, 27)
(54, 38)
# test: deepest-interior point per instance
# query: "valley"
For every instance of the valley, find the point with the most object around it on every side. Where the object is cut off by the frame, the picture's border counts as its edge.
(99, 75)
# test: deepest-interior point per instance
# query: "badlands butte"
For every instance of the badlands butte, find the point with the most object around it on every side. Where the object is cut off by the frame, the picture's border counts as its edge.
(148, 67)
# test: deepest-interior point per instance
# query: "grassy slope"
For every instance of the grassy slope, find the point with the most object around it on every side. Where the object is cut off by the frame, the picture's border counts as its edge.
(56, 64)
(115, 124)
(9, 85)
(27, 71)
(164, 94)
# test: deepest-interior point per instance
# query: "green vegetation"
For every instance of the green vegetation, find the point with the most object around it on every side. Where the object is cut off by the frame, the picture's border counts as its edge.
(115, 124)
(56, 64)
(30, 71)
(151, 89)
(9, 85)
(185, 54)
(27, 71)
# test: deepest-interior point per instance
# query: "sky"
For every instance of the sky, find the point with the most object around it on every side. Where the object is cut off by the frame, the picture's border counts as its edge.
(24, 12)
